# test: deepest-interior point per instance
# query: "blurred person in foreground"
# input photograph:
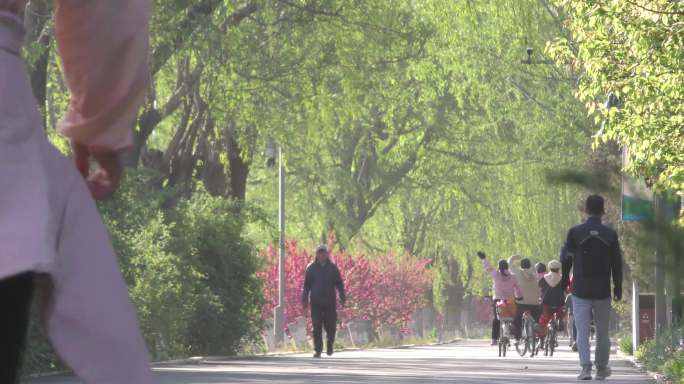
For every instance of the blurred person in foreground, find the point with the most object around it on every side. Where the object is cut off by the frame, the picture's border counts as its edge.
(50, 229)
(321, 279)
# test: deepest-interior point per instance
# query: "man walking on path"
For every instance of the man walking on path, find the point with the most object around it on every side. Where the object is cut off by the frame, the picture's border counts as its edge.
(593, 250)
(321, 280)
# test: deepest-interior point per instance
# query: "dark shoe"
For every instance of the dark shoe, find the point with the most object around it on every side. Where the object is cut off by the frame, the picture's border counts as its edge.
(574, 347)
(317, 355)
(603, 373)
(330, 349)
(495, 342)
(585, 374)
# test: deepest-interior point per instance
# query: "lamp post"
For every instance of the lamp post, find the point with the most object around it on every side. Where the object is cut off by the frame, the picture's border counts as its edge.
(273, 151)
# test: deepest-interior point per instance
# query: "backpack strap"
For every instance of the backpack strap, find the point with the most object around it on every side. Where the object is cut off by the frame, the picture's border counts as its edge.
(593, 234)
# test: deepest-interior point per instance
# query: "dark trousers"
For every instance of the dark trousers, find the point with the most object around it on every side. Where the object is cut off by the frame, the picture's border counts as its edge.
(15, 303)
(517, 323)
(323, 316)
(496, 324)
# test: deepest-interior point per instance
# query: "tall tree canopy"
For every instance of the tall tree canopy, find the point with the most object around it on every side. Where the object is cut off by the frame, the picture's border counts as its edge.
(633, 50)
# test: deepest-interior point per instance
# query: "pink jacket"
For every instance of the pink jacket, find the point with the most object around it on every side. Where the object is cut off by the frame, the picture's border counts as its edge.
(505, 286)
(49, 223)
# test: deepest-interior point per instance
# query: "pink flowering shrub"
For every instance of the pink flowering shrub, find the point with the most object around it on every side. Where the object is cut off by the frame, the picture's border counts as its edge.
(383, 288)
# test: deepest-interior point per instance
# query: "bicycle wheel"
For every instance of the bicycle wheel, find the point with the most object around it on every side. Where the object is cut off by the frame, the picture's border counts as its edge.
(546, 344)
(552, 340)
(504, 346)
(502, 332)
(524, 343)
(522, 346)
(532, 338)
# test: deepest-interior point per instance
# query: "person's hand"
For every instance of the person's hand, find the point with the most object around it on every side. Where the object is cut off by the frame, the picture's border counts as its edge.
(617, 294)
(105, 179)
(481, 255)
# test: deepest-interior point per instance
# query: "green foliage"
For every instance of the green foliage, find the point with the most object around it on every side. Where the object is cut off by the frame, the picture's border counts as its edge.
(631, 49)
(229, 294)
(39, 355)
(665, 354)
(406, 125)
(674, 368)
(191, 261)
(445, 151)
(648, 355)
(625, 344)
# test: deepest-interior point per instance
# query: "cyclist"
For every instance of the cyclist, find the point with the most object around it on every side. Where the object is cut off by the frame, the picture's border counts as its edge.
(541, 269)
(553, 296)
(528, 281)
(505, 288)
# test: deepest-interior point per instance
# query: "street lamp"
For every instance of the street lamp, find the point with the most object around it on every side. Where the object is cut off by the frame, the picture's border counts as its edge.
(530, 61)
(272, 151)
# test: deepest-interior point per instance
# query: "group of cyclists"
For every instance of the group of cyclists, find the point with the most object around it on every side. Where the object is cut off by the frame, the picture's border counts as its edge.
(589, 260)
(523, 291)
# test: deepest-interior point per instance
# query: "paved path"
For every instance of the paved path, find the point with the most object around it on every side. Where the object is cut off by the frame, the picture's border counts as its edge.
(467, 362)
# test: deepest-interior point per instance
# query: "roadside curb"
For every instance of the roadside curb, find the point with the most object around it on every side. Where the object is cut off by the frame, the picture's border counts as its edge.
(658, 377)
(199, 360)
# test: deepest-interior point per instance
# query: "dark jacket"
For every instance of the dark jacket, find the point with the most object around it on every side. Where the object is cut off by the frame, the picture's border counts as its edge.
(320, 283)
(553, 296)
(594, 251)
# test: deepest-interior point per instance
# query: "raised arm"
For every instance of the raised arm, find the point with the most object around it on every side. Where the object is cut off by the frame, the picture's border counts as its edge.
(513, 264)
(104, 46)
(488, 267)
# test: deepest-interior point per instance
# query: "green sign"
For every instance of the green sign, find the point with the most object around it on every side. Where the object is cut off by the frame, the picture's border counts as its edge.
(637, 198)
(636, 209)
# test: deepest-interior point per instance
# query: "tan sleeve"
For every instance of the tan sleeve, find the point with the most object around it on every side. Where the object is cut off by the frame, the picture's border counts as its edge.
(104, 46)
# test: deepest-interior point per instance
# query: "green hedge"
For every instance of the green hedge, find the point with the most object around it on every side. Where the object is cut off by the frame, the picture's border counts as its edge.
(190, 273)
(664, 355)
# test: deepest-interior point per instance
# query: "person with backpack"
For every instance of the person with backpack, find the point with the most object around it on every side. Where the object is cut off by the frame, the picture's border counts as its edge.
(593, 254)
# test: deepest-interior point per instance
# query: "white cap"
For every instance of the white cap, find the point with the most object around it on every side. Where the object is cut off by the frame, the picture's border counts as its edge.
(554, 264)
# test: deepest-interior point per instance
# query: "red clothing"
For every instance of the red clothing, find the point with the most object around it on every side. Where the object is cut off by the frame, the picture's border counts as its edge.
(547, 315)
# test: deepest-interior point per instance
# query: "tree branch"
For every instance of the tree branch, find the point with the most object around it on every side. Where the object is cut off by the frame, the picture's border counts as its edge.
(469, 159)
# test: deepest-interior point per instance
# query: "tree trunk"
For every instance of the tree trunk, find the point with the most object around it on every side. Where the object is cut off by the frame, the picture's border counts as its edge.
(239, 170)
(454, 297)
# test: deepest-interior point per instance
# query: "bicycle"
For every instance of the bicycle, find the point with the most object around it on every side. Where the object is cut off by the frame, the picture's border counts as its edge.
(528, 339)
(505, 311)
(551, 339)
